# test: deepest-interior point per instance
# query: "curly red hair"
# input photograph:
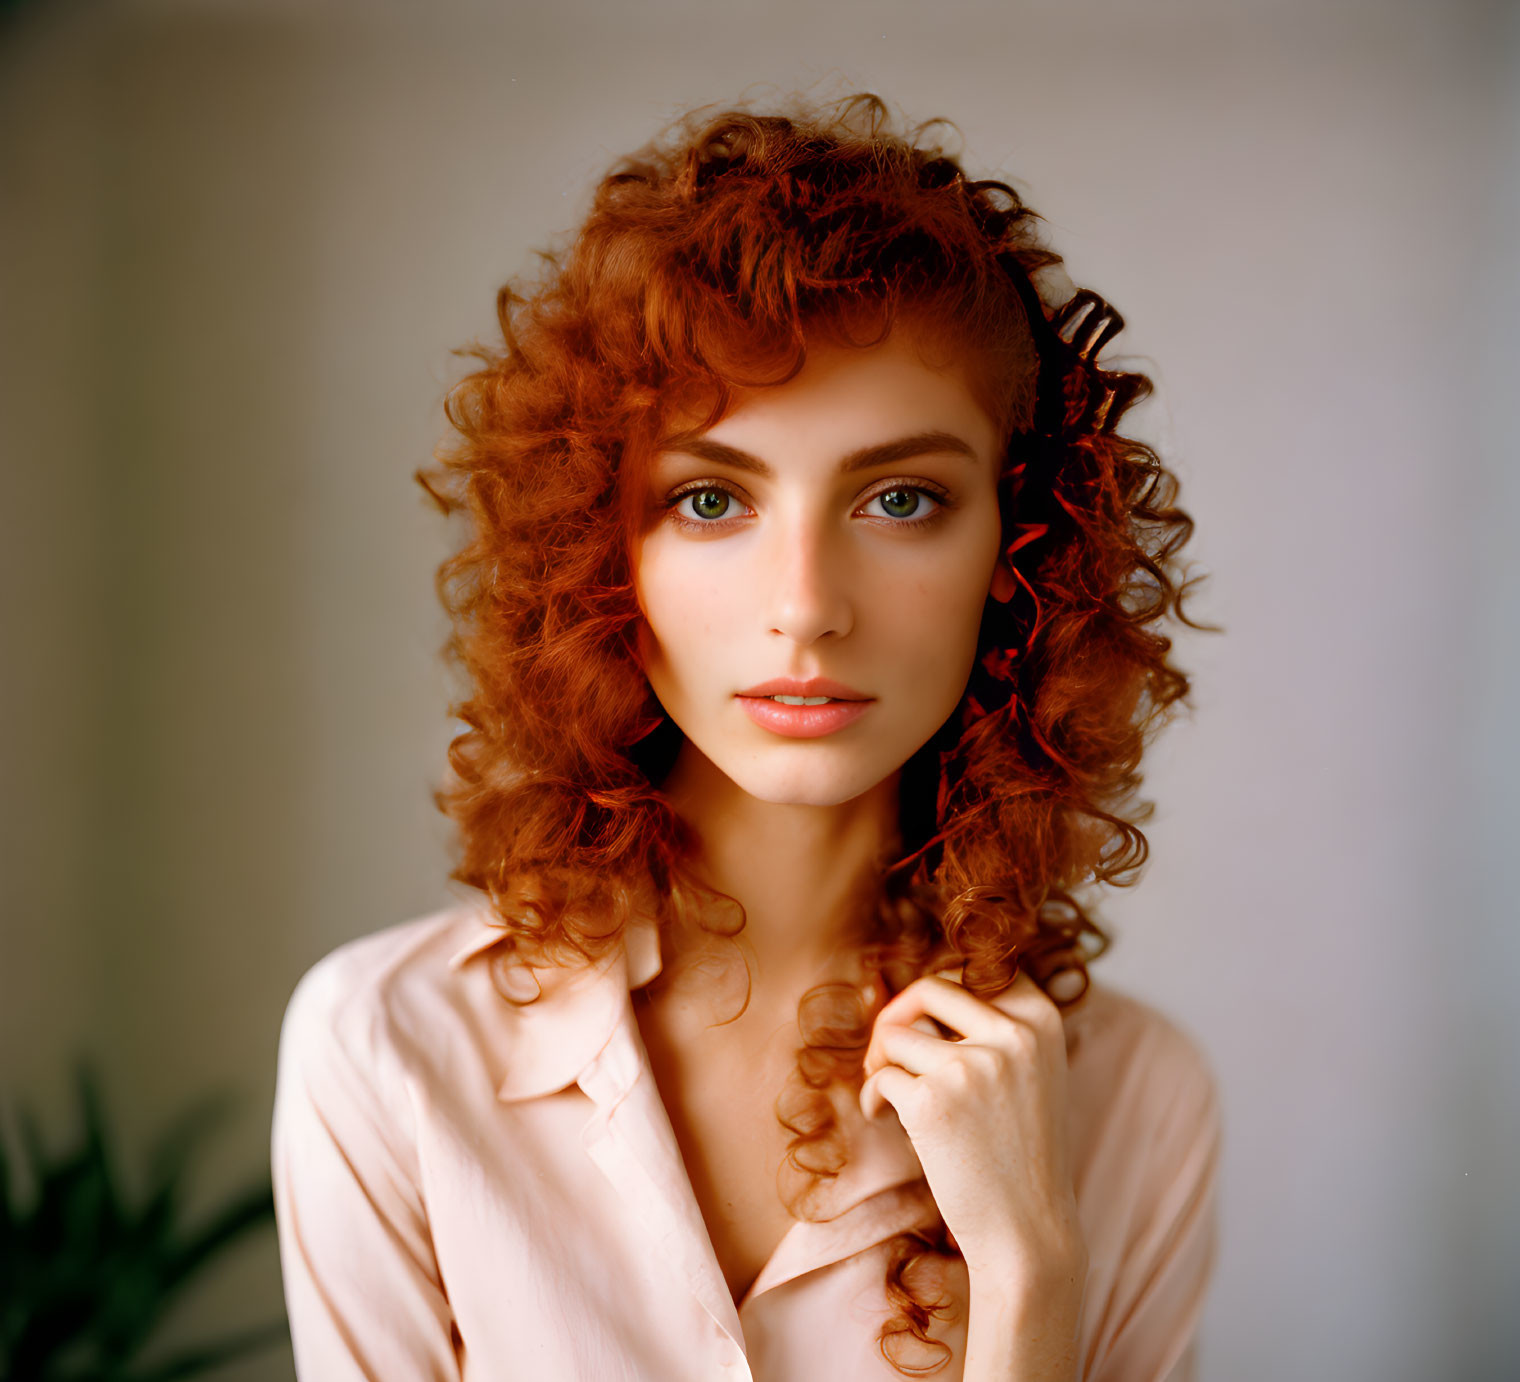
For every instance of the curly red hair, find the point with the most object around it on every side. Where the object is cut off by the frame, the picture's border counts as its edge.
(708, 262)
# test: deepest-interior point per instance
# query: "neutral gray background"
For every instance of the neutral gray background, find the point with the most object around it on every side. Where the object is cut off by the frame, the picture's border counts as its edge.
(240, 240)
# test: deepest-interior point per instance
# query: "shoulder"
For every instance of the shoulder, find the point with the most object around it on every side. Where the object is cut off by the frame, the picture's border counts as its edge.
(369, 1001)
(1114, 1036)
(1138, 1079)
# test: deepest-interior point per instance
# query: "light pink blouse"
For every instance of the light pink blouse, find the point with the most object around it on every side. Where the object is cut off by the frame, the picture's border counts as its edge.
(478, 1191)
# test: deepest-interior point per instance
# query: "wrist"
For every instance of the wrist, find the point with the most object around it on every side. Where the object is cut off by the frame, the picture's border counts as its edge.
(1054, 1274)
(1054, 1293)
(1025, 1327)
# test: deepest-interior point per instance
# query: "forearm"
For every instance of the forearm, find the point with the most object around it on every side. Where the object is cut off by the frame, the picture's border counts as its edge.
(1019, 1333)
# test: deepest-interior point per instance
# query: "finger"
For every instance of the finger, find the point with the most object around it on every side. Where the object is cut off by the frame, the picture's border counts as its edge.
(889, 1086)
(1066, 986)
(1025, 1001)
(928, 1000)
(876, 1057)
(916, 1052)
(945, 1001)
(1061, 973)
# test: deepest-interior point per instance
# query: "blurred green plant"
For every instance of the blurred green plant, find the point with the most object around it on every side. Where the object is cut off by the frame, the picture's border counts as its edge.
(86, 1277)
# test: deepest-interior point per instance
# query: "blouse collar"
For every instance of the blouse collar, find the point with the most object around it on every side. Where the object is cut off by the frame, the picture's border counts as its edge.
(565, 1035)
(580, 1029)
(561, 1018)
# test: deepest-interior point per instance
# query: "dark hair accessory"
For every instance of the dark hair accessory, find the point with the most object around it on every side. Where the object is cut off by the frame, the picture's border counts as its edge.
(1086, 323)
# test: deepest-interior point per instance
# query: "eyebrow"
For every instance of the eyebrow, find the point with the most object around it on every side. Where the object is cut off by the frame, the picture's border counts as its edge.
(884, 453)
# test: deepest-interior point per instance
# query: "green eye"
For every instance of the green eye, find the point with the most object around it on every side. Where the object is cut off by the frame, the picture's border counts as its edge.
(899, 503)
(709, 503)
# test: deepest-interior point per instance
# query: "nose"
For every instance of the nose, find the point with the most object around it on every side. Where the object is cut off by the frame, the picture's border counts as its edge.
(806, 584)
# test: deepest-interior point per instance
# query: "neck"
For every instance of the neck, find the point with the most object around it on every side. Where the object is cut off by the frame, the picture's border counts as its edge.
(800, 871)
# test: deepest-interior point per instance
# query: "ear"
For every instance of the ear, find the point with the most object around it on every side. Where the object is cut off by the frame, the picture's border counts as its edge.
(1004, 583)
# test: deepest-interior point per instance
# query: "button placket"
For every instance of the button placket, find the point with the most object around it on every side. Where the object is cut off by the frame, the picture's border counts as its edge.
(630, 1139)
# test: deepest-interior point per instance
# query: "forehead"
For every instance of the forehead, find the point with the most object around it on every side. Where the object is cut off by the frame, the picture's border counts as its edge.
(844, 396)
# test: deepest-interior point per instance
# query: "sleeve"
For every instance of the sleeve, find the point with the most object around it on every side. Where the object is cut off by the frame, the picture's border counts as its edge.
(362, 1286)
(1150, 1316)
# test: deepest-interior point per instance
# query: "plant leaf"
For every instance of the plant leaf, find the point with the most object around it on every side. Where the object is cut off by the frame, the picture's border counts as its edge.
(85, 1277)
(247, 1210)
(170, 1154)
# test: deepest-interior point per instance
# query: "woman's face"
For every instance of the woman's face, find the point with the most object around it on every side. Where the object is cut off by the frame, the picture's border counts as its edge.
(842, 526)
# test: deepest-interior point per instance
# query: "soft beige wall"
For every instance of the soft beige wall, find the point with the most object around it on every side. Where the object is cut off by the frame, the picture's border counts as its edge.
(241, 239)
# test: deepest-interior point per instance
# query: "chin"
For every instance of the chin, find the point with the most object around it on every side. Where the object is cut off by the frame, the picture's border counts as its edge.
(816, 784)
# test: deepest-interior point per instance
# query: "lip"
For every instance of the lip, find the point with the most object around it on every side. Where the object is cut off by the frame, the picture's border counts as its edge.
(802, 721)
(814, 686)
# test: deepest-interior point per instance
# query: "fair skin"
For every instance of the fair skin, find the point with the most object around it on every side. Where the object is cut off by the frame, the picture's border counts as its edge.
(845, 525)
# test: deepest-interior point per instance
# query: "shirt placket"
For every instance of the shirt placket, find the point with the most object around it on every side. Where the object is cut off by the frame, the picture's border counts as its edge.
(630, 1139)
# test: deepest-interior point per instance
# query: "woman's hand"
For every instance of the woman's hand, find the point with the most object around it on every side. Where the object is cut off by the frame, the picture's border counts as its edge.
(987, 1117)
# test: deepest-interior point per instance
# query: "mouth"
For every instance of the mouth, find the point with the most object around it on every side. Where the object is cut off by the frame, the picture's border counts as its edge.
(813, 691)
(802, 717)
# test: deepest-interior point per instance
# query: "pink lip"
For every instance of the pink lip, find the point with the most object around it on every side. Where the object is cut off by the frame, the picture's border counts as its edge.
(814, 686)
(802, 721)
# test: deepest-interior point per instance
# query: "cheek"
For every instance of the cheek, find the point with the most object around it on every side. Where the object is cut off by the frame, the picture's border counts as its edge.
(682, 617)
(950, 591)
(936, 620)
(955, 622)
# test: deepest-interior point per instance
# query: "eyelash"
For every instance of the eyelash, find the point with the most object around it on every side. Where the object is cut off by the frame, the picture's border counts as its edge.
(941, 504)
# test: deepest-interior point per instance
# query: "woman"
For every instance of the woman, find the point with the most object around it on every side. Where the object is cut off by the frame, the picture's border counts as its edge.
(809, 602)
